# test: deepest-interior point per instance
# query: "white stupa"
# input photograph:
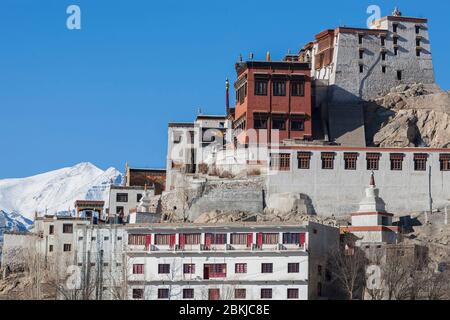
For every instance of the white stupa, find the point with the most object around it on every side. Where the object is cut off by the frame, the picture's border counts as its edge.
(372, 223)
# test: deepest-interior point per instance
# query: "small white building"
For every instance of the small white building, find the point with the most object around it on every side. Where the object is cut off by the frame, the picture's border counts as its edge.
(122, 200)
(371, 223)
(247, 261)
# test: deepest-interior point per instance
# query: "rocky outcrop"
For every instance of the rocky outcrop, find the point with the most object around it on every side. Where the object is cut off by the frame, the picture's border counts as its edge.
(410, 116)
(285, 203)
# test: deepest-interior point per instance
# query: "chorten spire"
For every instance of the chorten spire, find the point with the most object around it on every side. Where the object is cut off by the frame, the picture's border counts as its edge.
(372, 179)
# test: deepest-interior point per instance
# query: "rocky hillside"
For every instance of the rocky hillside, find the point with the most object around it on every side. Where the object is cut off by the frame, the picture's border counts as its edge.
(410, 116)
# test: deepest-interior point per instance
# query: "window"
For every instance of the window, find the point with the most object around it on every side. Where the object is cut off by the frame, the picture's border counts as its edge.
(216, 238)
(292, 293)
(93, 239)
(213, 294)
(137, 239)
(445, 162)
(239, 238)
(397, 161)
(162, 239)
(418, 42)
(297, 125)
(241, 93)
(80, 238)
(260, 88)
(240, 293)
(361, 54)
(395, 41)
(298, 88)
(192, 238)
(396, 51)
(383, 40)
(360, 38)
(281, 161)
(67, 247)
(105, 264)
(399, 75)
(122, 197)
(319, 270)
(279, 123)
(293, 238)
(373, 160)
(164, 268)
(138, 293)
(279, 88)
(67, 228)
(266, 267)
(420, 162)
(270, 238)
(51, 229)
(304, 160)
(240, 268)
(417, 29)
(106, 238)
(120, 210)
(188, 293)
(361, 68)
(328, 160)
(383, 56)
(293, 267)
(266, 293)
(163, 293)
(138, 269)
(138, 197)
(350, 161)
(218, 270)
(189, 268)
(50, 248)
(418, 52)
(394, 27)
(260, 120)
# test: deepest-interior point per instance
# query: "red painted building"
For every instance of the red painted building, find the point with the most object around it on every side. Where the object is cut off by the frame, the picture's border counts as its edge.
(273, 95)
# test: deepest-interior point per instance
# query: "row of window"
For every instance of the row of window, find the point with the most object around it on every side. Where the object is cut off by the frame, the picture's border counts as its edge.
(67, 228)
(67, 247)
(395, 37)
(282, 161)
(214, 294)
(278, 89)
(217, 239)
(218, 270)
(260, 121)
(123, 197)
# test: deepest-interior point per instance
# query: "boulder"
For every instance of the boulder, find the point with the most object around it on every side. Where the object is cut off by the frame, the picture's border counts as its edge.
(290, 202)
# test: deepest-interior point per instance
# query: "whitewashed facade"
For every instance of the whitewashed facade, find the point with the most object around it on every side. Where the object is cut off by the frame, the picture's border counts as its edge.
(250, 269)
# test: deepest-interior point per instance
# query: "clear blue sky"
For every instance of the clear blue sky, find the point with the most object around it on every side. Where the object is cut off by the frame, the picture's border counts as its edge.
(105, 93)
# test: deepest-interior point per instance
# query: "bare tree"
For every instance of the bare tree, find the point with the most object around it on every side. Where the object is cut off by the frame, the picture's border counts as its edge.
(349, 270)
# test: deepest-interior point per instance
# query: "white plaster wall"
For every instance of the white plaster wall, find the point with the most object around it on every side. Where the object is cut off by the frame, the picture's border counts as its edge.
(339, 191)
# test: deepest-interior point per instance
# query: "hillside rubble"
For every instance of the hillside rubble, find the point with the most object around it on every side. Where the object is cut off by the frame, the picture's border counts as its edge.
(415, 115)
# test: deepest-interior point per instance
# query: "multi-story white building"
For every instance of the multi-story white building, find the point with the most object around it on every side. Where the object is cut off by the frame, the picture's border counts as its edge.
(232, 261)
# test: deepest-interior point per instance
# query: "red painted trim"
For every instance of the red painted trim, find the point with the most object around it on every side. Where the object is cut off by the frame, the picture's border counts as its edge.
(370, 228)
(369, 149)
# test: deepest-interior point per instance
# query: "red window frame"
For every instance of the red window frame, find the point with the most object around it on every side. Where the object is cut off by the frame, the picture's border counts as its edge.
(138, 268)
(240, 268)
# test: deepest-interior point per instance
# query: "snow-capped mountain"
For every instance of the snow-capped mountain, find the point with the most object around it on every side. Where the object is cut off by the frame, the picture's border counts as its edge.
(56, 191)
(13, 222)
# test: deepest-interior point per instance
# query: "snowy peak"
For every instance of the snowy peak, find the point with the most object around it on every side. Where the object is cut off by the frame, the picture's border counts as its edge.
(56, 191)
